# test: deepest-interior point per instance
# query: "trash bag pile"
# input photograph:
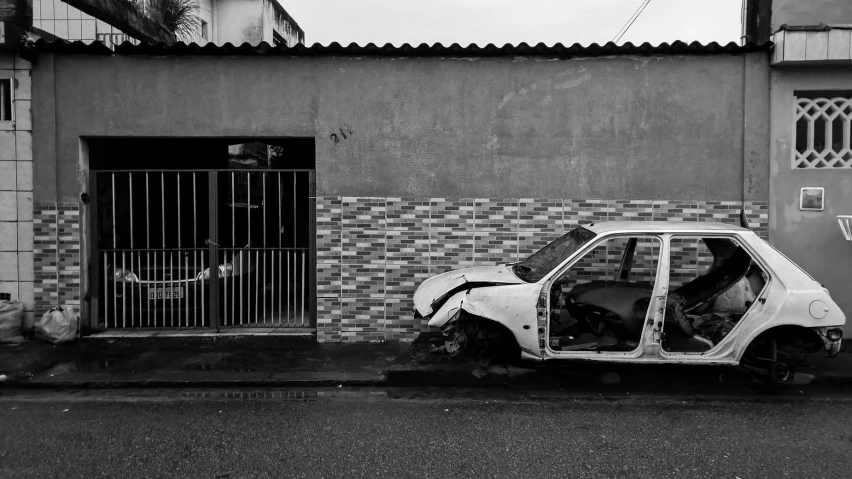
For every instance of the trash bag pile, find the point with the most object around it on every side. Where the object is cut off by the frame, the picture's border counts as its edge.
(11, 315)
(57, 325)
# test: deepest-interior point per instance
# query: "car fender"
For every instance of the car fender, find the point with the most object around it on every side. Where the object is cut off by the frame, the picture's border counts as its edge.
(795, 311)
(513, 306)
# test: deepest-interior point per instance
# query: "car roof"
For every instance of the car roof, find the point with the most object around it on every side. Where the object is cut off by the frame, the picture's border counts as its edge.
(600, 227)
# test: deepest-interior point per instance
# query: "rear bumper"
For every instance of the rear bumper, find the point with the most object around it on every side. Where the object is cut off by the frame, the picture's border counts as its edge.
(831, 342)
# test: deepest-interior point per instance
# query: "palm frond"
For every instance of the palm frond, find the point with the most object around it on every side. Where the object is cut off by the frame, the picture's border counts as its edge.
(178, 16)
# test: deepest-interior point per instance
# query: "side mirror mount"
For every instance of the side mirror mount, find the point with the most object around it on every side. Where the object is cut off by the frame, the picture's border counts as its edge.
(744, 220)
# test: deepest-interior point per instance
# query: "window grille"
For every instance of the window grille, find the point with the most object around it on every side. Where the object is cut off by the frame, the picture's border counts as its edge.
(822, 136)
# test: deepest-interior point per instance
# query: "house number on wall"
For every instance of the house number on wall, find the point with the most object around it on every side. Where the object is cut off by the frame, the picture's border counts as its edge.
(336, 138)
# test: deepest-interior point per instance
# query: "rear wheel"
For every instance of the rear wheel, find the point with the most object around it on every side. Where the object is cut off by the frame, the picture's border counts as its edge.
(777, 354)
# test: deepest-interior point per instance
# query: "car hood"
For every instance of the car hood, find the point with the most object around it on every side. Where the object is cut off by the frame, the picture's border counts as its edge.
(435, 290)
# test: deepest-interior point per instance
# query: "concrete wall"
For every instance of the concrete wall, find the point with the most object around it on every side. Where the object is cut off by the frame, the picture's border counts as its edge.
(810, 238)
(16, 189)
(810, 12)
(623, 127)
(239, 21)
(425, 165)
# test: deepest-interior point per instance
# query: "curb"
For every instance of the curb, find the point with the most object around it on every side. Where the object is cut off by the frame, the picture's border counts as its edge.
(274, 383)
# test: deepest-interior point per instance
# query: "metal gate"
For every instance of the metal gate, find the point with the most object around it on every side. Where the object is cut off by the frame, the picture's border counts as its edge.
(203, 248)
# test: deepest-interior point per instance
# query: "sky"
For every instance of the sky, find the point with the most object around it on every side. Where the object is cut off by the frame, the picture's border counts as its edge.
(513, 21)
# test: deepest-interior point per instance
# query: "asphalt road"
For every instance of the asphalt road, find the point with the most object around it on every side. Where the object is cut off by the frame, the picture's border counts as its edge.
(370, 433)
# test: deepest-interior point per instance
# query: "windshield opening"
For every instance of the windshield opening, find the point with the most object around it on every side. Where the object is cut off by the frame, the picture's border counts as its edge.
(546, 259)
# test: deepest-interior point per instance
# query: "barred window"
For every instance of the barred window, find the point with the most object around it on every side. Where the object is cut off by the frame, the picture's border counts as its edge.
(822, 132)
(5, 99)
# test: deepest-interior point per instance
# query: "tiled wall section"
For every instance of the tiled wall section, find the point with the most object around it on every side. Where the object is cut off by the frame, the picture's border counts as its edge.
(57, 271)
(373, 252)
(16, 188)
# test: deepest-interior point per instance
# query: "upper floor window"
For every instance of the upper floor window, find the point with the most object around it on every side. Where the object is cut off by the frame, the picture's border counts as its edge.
(277, 39)
(5, 99)
(822, 137)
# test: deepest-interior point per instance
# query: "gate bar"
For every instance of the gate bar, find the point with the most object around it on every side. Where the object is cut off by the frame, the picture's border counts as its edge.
(280, 245)
(132, 286)
(213, 215)
(195, 256)
(114, 285)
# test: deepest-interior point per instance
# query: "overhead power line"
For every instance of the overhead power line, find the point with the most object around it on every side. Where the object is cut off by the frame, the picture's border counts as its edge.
(630, 21)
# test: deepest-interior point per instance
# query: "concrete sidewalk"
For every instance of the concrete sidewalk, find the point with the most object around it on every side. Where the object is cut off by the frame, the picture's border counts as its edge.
(265, 361)
(196, 361)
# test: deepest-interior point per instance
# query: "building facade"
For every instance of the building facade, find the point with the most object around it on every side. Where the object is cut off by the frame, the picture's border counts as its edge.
(219, 22)
(810, 179)
(403, 164)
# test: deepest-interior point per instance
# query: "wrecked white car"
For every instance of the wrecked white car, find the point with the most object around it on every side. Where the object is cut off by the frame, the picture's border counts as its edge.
(641, 292)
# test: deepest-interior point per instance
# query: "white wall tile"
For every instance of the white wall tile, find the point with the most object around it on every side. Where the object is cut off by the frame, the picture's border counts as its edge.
(26, 295)
(25, 235)
(8, 266)
(8, 236)
(88, 29)
(25, 266)
(10, 287)
(23, 89)
(60, 10)
(61, 28)
(8, 206)
(7, 146)
(48, 26)
(73, 13)
(47, 9)
(25, 206)
(24, 145)
(23, 115)
(75, 29)
(25, 175)
(8, 180)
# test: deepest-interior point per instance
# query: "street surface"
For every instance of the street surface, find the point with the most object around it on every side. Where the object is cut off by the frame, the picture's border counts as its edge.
(394, 433)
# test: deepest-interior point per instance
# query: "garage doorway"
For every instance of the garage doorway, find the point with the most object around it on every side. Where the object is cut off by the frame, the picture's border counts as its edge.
(202, 233)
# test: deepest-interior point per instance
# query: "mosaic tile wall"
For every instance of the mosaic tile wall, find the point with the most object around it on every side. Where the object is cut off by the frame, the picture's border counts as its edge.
(57, 272)
(372, 253)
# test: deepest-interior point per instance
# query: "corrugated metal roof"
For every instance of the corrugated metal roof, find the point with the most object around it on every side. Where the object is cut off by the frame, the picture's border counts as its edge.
(388, 50)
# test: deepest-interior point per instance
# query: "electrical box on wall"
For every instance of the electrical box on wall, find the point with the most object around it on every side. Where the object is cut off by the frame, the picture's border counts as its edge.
(812, 198)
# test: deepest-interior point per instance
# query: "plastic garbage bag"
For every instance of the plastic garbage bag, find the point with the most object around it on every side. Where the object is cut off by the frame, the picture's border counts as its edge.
(11, 314)
(58, 325)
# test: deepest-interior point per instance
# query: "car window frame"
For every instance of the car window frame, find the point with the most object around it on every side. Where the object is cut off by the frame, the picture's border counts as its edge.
(767, 272)
(650, 315)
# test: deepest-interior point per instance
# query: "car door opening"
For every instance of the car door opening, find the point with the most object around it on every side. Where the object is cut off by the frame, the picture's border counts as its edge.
(713, 282)
(601, 302)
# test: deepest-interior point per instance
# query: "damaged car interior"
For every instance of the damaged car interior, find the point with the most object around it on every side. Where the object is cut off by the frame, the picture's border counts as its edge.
(713, 282)
(601, 303)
